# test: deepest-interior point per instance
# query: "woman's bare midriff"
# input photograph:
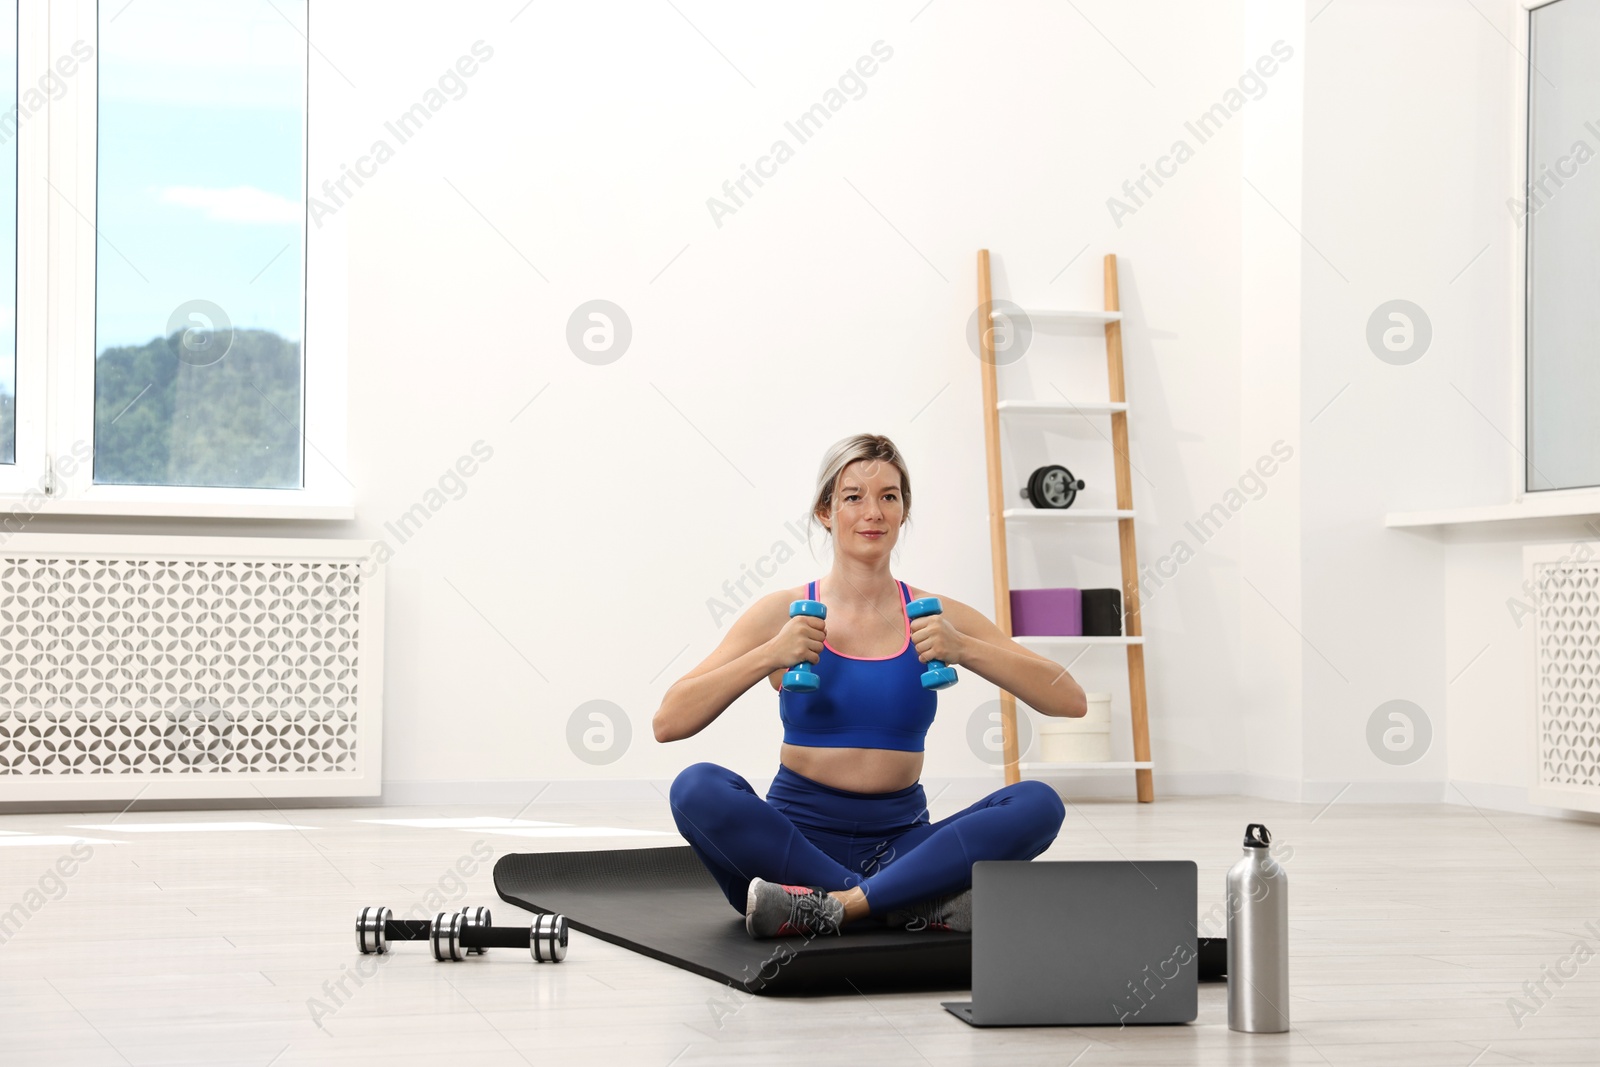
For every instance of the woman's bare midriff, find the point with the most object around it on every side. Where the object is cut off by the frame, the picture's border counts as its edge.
(856, 770)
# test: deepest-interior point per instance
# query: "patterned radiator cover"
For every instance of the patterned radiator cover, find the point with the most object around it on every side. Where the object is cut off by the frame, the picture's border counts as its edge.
(230, 674)
(1566, 585)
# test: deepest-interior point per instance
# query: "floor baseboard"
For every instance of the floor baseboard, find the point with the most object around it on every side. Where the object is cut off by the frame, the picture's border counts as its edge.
(1111, 786)
(518, 796)
(1510, 798)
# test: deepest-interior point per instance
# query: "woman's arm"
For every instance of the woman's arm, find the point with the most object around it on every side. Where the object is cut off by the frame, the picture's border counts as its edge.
(963, 635)
(756, 646)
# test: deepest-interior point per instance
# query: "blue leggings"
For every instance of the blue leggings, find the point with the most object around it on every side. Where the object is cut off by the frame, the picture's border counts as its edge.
(807, 833)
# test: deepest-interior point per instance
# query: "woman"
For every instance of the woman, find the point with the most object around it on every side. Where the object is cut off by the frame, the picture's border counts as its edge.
(844, 833)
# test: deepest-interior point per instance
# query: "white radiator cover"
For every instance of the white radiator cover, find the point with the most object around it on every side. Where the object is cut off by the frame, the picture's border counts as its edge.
(1564, 583)
(189, 667)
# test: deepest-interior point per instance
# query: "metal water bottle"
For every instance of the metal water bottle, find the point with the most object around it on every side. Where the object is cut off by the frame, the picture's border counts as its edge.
(1258, 939)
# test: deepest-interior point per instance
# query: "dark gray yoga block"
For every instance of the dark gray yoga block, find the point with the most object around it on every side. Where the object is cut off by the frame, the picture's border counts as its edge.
(1102, 613)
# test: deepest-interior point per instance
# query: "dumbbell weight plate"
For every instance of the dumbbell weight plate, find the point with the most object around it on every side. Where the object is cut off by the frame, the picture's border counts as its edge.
(547, 938)
(370, 930)
(445, 937)
(475, 919)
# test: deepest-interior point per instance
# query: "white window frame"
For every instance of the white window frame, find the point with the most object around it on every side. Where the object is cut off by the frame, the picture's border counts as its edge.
(57, 244)
(1575, 500)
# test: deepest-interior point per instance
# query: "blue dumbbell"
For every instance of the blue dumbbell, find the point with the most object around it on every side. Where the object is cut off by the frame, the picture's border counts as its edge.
(801, 678)
(937, 676)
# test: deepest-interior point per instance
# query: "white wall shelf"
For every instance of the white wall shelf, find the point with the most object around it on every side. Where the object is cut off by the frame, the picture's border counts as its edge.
(1029, 640)
(1065, 315)
(1059, 407)
(1067, 514)
(1539, 507)
(187, 506)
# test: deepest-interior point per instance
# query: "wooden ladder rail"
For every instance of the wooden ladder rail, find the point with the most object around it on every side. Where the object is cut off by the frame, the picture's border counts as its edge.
(1132, 623)
(997, 519)
(1143, 778)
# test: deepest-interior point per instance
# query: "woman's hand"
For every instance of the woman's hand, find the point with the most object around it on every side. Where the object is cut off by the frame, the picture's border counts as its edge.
(799, 641)
(936, 639)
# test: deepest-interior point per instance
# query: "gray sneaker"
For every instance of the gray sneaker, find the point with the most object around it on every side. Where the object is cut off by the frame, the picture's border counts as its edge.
(773, 910)
(951, 913)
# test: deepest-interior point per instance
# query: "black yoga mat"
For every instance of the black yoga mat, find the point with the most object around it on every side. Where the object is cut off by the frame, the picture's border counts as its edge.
(663, 903)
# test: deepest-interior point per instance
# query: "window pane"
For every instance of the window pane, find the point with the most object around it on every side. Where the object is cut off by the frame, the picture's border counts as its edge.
(1563, 216)
(8, 230)
(198, 265)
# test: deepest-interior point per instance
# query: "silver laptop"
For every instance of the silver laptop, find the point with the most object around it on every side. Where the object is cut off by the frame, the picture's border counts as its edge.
(1063, 943)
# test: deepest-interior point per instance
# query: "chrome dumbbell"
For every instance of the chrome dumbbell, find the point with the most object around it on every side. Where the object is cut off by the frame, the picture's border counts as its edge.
(455, 935)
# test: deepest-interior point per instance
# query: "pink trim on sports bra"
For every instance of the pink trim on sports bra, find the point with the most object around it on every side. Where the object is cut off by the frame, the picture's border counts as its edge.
(905, 595)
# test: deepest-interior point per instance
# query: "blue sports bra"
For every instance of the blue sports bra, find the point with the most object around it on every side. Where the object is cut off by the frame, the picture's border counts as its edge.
(862, 702)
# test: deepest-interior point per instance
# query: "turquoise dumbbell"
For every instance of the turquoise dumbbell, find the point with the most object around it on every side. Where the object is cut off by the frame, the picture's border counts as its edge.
(937, 676)
(801, 678)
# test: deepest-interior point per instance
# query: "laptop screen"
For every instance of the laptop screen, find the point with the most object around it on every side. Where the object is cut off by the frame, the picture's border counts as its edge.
(1084, 943)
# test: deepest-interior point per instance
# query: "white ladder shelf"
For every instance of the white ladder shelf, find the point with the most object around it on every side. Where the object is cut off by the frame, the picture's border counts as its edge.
(1116, 407)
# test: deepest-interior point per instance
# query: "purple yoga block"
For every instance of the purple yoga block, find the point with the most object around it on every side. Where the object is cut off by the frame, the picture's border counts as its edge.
(1047, 612)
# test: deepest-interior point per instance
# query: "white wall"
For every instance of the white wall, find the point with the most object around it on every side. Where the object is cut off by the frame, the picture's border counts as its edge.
(1410, 152)
(579, 562)
(1387, 104)
(835, 301)
(1271, 655)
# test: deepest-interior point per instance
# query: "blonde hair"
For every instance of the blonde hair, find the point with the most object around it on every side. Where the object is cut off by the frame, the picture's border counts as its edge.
(861, 446)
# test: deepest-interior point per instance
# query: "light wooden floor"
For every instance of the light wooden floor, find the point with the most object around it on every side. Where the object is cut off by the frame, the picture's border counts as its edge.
(1411, 929)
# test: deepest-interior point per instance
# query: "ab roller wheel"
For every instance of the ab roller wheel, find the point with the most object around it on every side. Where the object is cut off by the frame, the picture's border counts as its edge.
(1052, 487)
(455, 935)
